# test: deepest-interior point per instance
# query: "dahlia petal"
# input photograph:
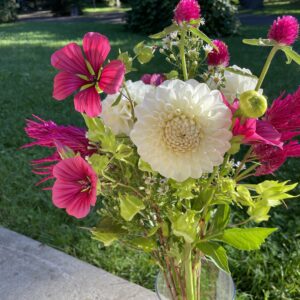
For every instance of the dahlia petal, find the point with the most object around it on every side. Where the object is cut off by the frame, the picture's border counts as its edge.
(112, 77)
(88, 101)
(96, 48)
(66, 84)
(70, 59)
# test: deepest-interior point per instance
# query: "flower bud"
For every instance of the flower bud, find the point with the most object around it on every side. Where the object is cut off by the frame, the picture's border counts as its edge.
(253, 104)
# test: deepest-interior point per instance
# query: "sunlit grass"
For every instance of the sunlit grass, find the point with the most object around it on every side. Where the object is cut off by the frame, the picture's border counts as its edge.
(103, 10)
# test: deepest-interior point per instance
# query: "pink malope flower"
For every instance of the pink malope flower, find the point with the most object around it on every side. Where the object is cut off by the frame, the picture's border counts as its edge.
(75, 188)
(86, 75)
(153, 79)
(50, 135)
(219, 57)
(187, 10)
(284, 30)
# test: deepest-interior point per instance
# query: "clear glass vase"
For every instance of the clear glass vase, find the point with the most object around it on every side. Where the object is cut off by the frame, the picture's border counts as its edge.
(215, 284)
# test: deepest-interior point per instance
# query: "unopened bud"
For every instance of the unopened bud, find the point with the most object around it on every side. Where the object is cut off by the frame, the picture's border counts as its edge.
(253, 104)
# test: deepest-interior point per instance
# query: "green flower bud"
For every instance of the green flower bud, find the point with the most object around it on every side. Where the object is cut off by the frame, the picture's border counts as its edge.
(253, 104)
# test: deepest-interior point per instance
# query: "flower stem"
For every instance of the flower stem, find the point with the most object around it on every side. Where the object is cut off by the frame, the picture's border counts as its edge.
(188, 270)
(182, 54)
(266, 67)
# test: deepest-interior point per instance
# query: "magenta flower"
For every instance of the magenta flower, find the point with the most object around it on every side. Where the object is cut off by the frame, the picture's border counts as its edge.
(220, 57)
(75, 188)
(284, 30)
(86, 75)
(284, 116)
(257, 132)
(272, 158)
(187, 10)
(50, 135)
(153, 79)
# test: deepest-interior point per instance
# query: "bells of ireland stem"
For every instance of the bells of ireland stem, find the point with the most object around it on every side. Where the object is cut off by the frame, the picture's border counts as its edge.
(253, 104)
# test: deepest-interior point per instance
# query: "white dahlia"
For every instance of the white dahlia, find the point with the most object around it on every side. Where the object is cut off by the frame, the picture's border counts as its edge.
(182, 129)
(119, 117)
(236, 84)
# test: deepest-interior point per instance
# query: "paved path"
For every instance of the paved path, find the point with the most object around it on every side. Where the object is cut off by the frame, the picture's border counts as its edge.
(30, 270)
(47, 16)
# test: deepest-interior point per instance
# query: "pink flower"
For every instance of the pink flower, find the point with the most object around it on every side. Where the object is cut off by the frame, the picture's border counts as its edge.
(220, 57)
(284, 30)
(187, 10)
(50, 135)
(272, 158)
(153, 79)
(75, 188)
(257, 132)
(86, 75)
(284, 115)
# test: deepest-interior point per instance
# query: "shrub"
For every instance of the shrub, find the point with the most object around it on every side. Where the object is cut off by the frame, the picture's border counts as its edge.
(151, 16)
(8, 11)
(66, 7)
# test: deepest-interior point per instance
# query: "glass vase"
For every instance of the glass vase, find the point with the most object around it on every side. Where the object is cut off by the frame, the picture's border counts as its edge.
(215, 284)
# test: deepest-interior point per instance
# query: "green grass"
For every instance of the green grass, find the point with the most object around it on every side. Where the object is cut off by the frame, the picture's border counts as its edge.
(92, 11)
(26, 87)
(277, 8)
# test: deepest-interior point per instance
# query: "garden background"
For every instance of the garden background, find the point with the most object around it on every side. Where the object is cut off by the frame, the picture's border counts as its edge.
(26, 87)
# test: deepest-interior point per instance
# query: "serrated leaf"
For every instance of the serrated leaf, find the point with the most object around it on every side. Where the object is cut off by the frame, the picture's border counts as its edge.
(221, 217)
(165, 32)
(217, 254)
(143, 166)
(244, 196)
(98, 162)
(202, 36)
(259, 42)
(291, 54)
(129, 206)
(246, 238)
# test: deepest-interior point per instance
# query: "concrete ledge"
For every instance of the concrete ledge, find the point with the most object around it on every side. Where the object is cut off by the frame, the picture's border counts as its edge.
(30, 270)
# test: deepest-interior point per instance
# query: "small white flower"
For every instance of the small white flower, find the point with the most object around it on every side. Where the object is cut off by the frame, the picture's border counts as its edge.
(119, 117)
(236, 84)
(202, 21)
(182, 129)
(173, 35)
(208, 48)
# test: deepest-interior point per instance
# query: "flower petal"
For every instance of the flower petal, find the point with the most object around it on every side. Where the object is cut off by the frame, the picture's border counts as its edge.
(80, 206)
(112, 77)
(65, 84)
(88, 101)
(70, 59)
(96, 48)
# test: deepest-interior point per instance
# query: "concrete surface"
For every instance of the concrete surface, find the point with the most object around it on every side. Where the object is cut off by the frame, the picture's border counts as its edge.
(30, 270)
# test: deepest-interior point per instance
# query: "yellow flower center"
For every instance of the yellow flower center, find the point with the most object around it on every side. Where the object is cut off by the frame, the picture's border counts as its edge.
(182, 133)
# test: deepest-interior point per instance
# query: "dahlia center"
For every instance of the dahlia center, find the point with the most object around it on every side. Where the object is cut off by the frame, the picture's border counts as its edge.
(182, 133)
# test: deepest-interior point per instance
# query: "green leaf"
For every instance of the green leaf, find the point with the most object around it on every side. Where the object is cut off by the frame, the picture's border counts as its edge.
(260, 42)
(145, 244)
(127, 61)
(246, 238)
(144, 53)
(153, 230)
(130, 205)
(185, 225)
(202, 36)
(244, 196)
(165, 32)
(184, 190)
(107, 231)
(221, 217)
(145, 167)
(98, 162)
(259, 212)
(95, 128)
(123, 151)
(291, 54)
(217, 254)
(117, 101)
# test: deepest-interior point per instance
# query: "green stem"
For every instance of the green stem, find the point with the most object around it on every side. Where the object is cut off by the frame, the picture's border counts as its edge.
(188, 271)
(182, 54)
(247, 155)
(266, 67)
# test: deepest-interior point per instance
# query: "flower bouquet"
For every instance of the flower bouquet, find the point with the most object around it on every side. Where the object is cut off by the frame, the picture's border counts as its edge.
(159, 152)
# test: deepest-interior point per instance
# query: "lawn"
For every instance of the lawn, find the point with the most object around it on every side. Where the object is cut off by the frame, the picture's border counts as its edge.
(26, 84)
